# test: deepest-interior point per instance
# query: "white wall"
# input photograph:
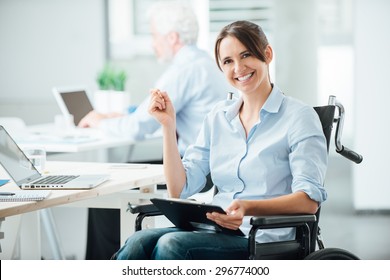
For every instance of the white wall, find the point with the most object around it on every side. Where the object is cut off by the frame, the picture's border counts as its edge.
(47, 43)
(372, 131)
(295, 47)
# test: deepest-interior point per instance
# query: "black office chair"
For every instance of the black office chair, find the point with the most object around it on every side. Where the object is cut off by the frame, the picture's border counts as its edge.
(307, 228)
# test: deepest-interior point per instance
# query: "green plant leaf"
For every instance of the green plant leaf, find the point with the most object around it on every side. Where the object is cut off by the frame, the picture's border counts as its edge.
(111, 79)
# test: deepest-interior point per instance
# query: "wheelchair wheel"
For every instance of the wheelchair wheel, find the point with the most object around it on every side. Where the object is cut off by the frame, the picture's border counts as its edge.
(331, 254)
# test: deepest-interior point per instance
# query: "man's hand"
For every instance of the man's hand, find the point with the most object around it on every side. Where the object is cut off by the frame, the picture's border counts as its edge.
(93, 118)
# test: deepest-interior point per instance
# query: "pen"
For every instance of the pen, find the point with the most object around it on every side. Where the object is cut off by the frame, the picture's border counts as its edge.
(7, 193)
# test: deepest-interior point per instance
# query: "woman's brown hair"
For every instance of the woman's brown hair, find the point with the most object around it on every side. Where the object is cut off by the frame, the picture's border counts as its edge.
(249, 34)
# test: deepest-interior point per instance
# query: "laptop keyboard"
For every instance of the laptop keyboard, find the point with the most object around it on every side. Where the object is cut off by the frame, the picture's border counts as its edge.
(55, 180)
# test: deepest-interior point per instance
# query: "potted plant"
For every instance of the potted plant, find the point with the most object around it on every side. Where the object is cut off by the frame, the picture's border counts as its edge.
(111, 79)
(111, 96)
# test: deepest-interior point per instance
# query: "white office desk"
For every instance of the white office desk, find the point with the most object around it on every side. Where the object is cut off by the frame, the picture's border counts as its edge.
(115, 193)
(74, 140)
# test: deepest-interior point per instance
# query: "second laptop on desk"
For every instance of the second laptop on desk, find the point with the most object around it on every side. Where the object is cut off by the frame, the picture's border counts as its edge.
(73, 101)
(26, 176)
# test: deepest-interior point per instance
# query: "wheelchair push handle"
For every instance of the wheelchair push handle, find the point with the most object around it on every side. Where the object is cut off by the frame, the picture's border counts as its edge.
(341, 149)
(349, 154)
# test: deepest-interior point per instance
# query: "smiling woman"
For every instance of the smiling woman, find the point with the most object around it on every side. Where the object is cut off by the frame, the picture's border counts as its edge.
(263, 129)
(243, 54)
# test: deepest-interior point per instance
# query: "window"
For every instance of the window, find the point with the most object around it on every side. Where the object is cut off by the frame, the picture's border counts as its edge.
(223, 12)
(128, 27)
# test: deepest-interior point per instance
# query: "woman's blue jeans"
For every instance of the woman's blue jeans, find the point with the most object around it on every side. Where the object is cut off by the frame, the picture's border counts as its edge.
(176, 244)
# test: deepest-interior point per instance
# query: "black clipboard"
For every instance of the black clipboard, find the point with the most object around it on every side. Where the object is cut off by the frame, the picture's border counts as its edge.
(190, 215)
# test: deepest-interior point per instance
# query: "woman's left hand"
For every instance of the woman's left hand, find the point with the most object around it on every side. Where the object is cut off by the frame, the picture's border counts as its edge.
(233, 217)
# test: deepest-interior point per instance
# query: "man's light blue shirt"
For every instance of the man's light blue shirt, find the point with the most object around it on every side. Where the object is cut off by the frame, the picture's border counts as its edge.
(194, 84)
(285, 152)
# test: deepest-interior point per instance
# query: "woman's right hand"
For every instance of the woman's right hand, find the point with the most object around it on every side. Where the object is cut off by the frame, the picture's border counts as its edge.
(161, 108)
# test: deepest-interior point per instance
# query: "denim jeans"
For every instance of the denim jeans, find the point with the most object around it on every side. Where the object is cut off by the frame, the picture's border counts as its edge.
(176, 244)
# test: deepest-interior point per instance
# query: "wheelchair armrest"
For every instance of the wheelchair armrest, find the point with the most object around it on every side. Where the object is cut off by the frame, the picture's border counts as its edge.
(142, 208)
(143, 211)
(280, 221)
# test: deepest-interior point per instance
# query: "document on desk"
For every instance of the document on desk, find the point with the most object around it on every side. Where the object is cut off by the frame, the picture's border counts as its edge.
(30, 195)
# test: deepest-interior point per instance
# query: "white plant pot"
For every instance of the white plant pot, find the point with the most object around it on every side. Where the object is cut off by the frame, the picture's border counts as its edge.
(111, 101)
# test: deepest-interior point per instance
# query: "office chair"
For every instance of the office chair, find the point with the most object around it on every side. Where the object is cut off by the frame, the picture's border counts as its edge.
(307, 226)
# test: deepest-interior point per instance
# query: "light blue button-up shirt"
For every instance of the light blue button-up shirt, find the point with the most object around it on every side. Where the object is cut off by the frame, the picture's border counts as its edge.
(194, 84)
(285, 152)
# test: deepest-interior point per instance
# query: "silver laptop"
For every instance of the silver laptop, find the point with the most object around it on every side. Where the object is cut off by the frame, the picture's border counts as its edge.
(26, 176)
(73, 101)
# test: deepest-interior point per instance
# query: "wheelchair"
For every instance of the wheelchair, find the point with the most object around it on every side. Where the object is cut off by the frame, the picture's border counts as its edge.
(308, 244)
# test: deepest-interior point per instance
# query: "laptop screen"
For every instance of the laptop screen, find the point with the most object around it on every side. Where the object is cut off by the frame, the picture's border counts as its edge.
(77, 104)
(14, 160)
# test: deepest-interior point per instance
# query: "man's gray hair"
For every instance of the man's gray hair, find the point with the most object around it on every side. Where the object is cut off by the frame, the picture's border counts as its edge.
(176, 16)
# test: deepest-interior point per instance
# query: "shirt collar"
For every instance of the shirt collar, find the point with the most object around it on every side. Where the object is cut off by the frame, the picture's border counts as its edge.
(182, 55)
(274, 100)
(271, 105)
(232, 110)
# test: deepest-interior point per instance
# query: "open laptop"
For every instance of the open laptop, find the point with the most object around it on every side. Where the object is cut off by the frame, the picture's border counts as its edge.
(26, 176)
(73, 101)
